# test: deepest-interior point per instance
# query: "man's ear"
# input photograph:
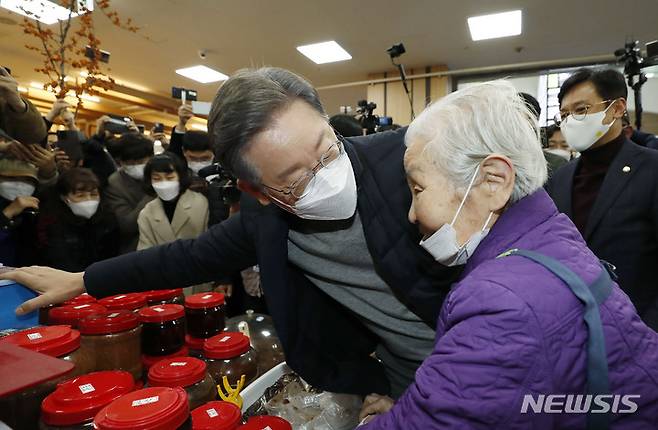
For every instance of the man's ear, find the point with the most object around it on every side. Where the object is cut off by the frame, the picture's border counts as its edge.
(253, 191)
(498, 180)
(619, 108)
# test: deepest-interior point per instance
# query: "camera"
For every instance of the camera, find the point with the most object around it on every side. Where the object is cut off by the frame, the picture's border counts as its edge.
(222, 192)
(631, 56)
(368, 120)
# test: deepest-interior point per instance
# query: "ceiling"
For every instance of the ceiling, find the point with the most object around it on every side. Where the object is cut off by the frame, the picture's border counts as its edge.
(248, 33)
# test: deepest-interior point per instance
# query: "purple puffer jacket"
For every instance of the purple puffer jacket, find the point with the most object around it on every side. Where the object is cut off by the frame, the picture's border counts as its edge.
(511, 328)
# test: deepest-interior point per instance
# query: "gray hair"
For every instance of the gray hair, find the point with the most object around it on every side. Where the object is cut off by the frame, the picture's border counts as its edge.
(466, 126)
(244, 106)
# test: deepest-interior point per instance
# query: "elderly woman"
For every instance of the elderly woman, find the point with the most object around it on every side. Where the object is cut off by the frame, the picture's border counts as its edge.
(535, 324)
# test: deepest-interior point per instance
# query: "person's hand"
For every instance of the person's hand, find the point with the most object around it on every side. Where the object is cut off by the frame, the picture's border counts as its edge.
(9, 92)
(100, 124)
(133, 127)
(69, 119)
(184, 115)
(58, 108)
(43, 159)
(21, 203)
(162, 137)
(53, 286)
(375, 404)
(62, 160)
(226, 289)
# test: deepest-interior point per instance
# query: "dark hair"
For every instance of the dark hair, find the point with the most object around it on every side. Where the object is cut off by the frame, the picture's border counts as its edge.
(77, 179)
(550, 131)
(196, 141)
(244, 106)
(532, 103)
(609, 83)
(133, 146)
(167, 162)
(346, 125)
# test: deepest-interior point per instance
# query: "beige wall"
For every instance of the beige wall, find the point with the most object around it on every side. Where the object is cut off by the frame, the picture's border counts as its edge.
(332, 99)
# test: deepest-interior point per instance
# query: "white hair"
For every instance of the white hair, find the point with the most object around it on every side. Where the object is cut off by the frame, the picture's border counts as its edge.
(463, 128)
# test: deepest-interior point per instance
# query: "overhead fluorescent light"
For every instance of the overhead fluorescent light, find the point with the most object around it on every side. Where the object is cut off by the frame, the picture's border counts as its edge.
(22, 89)
(36, 85)
(202, 74)
(325, 52)
(495, 25)
(45, 11)
(650, 75)
(202, 127)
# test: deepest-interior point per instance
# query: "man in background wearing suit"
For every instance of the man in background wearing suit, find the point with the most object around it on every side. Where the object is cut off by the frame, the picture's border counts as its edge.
(611, 191)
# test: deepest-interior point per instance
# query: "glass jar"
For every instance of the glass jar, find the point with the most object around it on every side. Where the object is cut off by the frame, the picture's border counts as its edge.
(113, 339)
(153, 408)
(149, 360)
(262, 336)
(73, 405)
(187, 372)
(163, 329)
(165, 297)
(195, 346)
(266, 422)
(216, 416)
(72, 314)
(205, 314)
(124, 302)
(230, 354)
(57, 341)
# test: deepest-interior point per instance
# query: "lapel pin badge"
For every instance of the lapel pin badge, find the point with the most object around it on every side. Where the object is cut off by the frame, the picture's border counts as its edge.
(626, 169)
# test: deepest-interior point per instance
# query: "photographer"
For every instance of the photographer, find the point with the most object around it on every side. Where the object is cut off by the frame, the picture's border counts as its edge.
(18, 117)
(184, 115)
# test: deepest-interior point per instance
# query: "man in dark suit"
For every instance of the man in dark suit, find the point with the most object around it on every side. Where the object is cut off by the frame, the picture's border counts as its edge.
(611, 191)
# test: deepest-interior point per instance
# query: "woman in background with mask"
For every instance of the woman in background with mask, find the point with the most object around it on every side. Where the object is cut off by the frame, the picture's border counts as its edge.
(18, 210)
(534, 314)
(177, 213)
(74, 228)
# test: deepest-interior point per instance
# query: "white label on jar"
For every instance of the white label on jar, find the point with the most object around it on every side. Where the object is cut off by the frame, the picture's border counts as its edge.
(145, 401)
(86, 388)
(178, 363)
(81, 306)
(158, 309)
(33, 336)
(225, 338)
(212, 413)
(114, 315)
(120, 297)
(207, 296)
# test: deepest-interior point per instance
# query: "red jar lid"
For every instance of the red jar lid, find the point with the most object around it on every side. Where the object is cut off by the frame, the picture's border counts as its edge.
(78, 400)
(216, 416)
(108, 323)
(81, 300)
(162, 295)
(128, 301)
(56, 340)
(152, 408)
(161, 313)
(204, 300)
(266, 422)
(194, 342)
(150, 360)
(226, 345)
(177, 372)
(72, 314)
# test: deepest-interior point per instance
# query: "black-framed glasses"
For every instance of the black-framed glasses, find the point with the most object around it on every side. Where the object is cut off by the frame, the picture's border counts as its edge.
(578, 114)
(305, 183)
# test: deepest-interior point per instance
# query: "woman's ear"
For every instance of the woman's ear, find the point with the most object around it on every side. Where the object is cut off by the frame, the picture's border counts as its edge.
(498, 181)
(253, 191)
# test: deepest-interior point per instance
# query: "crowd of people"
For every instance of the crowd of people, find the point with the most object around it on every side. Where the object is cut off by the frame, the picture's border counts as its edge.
(446, 270)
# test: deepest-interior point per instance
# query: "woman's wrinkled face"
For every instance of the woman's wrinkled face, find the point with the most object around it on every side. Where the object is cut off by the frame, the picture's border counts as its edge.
(435, 200)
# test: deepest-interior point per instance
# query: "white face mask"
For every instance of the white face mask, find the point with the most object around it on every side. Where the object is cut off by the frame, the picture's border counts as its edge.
(333, 196)
(443, 245)
(135, 171)
(581, 135)
(566, 154)
(195, 166)
(85, 209)
(167, 190)
(12, 189)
